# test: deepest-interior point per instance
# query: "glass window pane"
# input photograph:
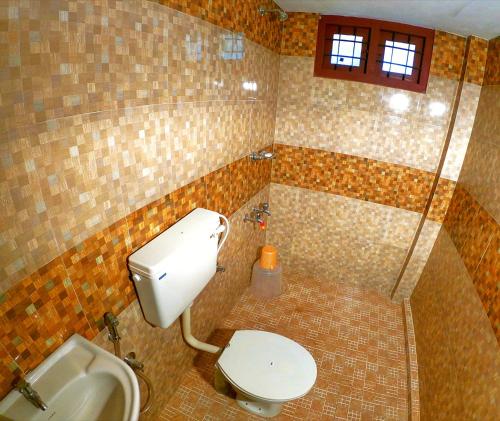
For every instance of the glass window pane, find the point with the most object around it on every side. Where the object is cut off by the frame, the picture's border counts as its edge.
(346, 50)
(398, 57)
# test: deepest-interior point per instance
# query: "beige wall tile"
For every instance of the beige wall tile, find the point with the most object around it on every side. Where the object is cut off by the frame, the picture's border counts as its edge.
(339, 238)
(109, 107)
(26, 239)
(364, 120)
(461, 131)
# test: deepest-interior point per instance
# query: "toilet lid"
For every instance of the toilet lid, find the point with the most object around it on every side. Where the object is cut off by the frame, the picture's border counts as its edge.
(267, 366)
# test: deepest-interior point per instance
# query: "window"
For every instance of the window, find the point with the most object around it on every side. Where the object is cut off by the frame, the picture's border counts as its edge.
(398, 58)
(346, 50)
(373, 51)
(232, 46)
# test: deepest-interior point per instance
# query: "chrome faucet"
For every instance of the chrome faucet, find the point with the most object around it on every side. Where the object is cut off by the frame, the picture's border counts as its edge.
(259, 156)
(132, 362)
(31, 394)
(257, 218)
(265, 209)
(111, 323)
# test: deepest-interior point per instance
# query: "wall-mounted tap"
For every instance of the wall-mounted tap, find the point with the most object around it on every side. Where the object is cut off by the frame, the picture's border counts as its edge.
(132, 362)
(255, 217)
(263, 209)
(111, 323)
(259, 156)
(31, 394)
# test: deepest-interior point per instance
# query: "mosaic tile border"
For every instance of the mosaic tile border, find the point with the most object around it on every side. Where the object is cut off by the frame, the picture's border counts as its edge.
(360, 178)
(476, 62)
(300, 33)
(492, 72)
(447, 55)
(70, 294)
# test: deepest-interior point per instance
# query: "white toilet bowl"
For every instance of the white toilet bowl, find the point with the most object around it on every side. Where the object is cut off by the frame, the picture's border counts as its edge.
(266, 370)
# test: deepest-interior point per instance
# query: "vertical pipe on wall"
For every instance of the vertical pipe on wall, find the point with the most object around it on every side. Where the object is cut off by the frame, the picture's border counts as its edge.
(437, 176)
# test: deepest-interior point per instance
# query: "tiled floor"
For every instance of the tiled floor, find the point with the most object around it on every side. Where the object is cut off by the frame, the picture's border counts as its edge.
(355, 336)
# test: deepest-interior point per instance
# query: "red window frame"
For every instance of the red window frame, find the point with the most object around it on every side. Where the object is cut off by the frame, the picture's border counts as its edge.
(378, 32)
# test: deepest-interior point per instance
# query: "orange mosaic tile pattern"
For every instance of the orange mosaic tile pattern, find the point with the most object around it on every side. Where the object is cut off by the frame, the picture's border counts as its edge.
(39, 314)
(441, 200)
(235, 16)
(189, 197)
(218, 185)
(118, 247)
(240, 173)
(447, 55)
(360, 178)
(355, 336)
(476, 62)
(492, 72)
(300, 33)
(476, 236)
(147, 222)
(99, 274)
(9, 371)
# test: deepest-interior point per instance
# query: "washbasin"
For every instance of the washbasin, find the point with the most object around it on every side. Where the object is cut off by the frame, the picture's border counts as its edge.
(79, 382)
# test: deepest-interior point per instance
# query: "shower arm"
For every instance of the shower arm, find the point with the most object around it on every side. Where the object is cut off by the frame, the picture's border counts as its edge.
(282, 15)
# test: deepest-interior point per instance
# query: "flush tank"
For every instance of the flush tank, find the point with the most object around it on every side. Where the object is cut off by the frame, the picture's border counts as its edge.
(173, 268)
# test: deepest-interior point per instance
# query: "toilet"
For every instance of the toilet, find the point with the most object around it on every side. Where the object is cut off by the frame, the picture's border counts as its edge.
(266, 370)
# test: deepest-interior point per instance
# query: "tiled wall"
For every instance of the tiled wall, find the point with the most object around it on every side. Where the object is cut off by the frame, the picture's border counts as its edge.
(237, 16)
(118, 118)
(456, 303)
(350, 139)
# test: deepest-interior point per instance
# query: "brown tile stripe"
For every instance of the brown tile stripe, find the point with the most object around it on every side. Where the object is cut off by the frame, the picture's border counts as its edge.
(476, 62)
(241, 16)
(71, 293)
(476, 236)
(447, 55)
(492, 72)
(360, 178)
(299, 35)
(9, 370)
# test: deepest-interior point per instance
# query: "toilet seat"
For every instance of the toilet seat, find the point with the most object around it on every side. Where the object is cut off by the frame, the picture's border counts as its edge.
(267, 366)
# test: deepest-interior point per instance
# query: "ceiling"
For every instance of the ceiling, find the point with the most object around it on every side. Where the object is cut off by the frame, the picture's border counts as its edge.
(463, 17)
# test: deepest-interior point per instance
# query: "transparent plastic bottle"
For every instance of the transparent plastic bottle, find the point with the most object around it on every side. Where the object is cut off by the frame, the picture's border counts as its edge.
(266, 274)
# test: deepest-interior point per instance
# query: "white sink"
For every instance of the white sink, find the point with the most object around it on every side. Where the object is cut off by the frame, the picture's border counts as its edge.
(78, 382)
